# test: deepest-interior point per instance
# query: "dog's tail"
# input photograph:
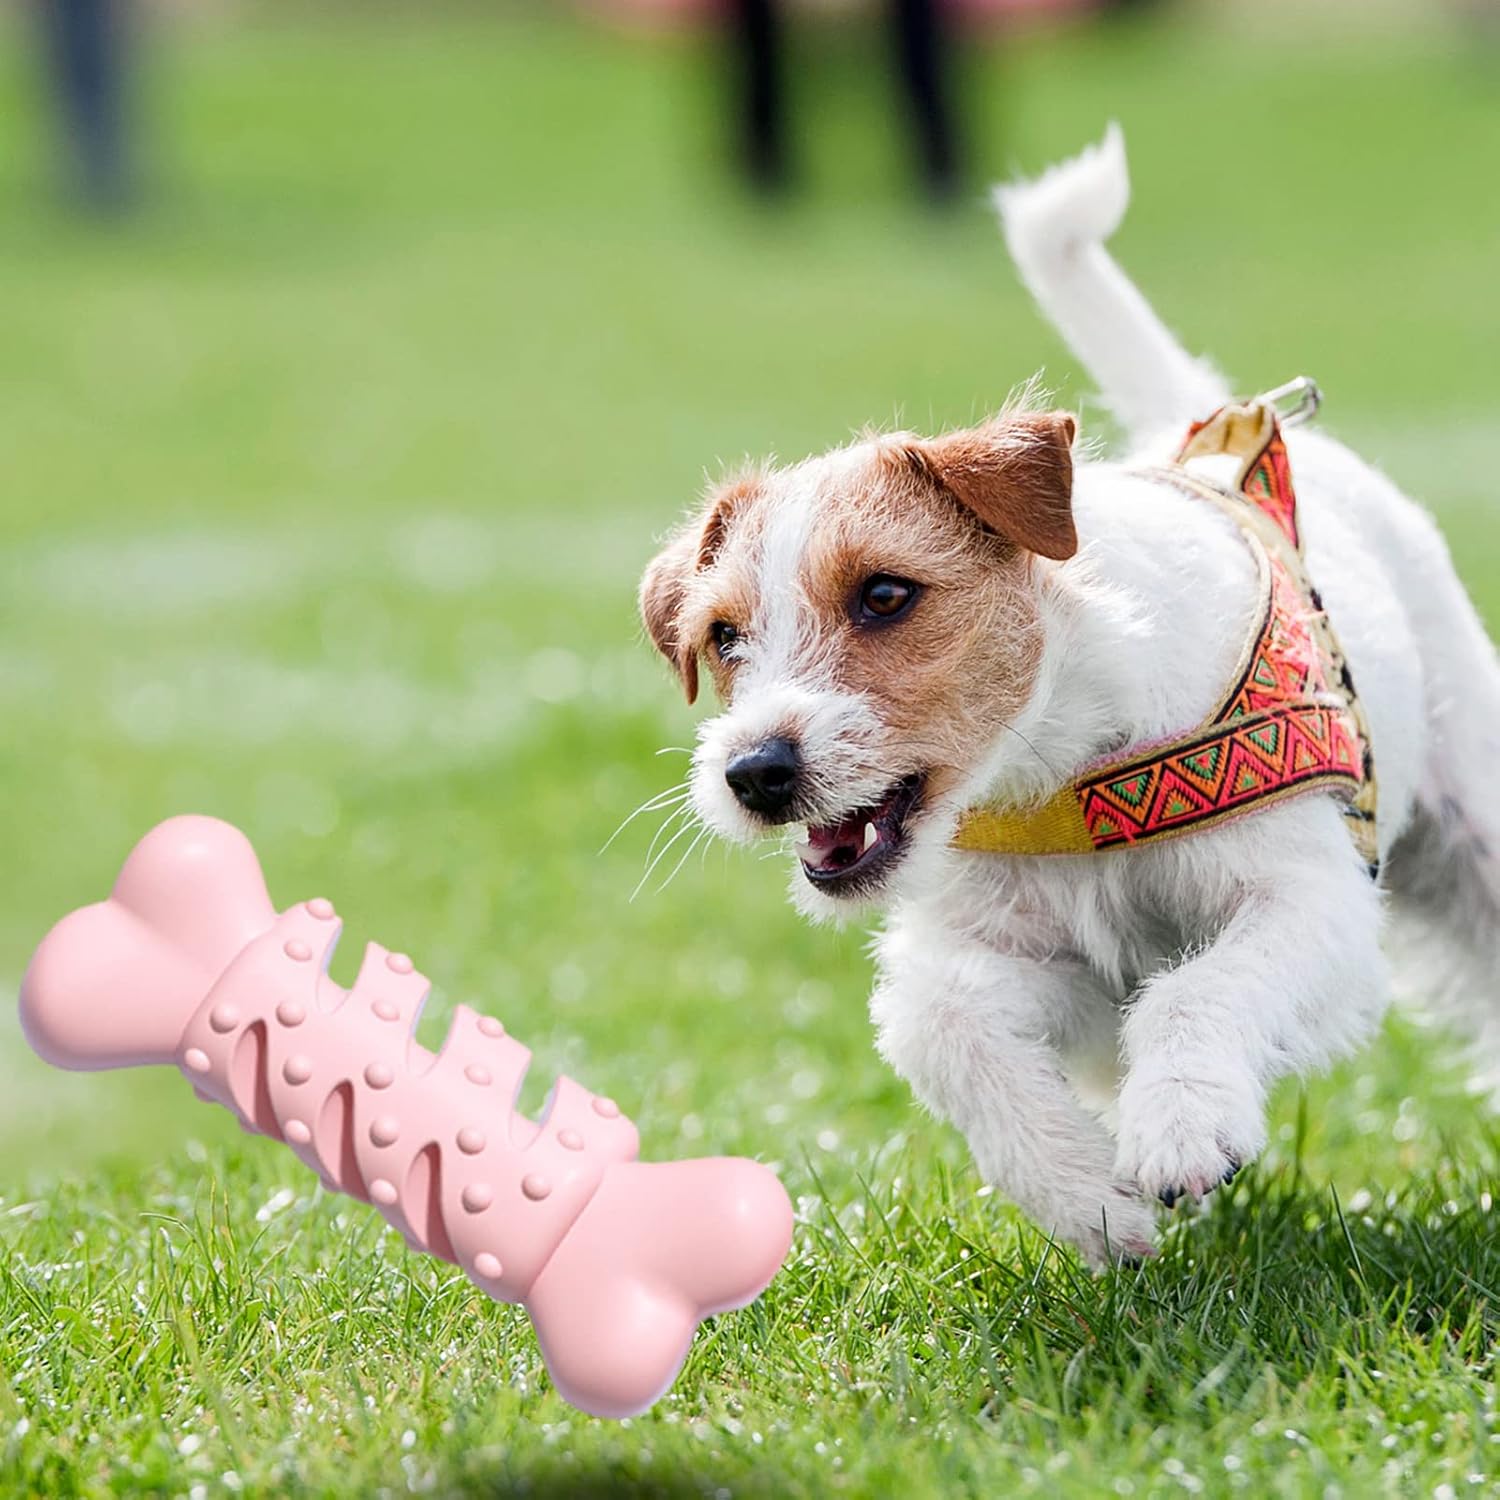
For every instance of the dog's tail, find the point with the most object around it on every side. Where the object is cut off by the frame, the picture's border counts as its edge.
(1056, 227)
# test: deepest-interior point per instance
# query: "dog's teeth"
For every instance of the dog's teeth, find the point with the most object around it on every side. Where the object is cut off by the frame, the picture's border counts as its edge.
(806, 853)
(871, 834)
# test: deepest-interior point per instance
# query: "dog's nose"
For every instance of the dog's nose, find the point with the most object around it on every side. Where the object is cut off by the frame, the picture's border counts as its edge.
(764, 779)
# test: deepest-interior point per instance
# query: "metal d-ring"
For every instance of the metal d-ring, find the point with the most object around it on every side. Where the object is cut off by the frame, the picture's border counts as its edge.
(1296, 402)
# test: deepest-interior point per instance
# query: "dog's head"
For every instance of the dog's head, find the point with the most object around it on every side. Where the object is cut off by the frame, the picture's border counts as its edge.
(870, 621)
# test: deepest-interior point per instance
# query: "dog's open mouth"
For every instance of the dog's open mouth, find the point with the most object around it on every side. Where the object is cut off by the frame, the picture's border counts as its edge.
(850, 855)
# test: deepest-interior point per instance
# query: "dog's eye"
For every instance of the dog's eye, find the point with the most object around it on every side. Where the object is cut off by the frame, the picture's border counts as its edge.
(883, 597)
(724, 636)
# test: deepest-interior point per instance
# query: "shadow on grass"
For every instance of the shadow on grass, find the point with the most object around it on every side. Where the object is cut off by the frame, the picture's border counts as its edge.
(938, 1306)
(604, 1481)
(1277, 1275)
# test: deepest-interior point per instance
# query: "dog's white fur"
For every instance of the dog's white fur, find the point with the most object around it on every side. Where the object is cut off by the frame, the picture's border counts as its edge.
(1106, 1028)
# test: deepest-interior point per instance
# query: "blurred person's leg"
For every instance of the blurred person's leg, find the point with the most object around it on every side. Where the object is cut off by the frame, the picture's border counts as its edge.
(760, 80)
(920, 39)
(85, 41)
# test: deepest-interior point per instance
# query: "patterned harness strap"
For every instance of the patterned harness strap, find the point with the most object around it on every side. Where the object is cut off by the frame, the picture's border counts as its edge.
(1290, 723)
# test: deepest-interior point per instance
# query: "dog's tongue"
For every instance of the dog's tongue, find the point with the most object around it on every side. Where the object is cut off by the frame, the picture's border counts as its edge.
(836, 846)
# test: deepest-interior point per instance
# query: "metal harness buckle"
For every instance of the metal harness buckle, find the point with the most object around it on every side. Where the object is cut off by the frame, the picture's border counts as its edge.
(1296, 402)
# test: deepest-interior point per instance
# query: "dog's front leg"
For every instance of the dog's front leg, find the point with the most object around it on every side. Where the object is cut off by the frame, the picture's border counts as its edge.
(974, 1033)
(1293, 979)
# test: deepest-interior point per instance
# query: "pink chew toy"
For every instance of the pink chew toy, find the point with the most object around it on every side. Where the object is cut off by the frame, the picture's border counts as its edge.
(617, 1261)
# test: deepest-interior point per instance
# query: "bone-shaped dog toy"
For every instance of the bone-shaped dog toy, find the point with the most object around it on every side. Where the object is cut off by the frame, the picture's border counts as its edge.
(617, 1261)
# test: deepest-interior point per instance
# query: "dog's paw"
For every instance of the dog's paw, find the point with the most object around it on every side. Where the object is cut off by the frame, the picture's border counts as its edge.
(1183, 1137)
(1109, 1222)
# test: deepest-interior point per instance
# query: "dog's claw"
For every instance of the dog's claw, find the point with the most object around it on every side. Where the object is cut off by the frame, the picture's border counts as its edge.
(1173, 1194)
(1182, 1139)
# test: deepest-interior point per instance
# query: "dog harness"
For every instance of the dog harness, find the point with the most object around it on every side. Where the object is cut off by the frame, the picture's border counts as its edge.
(1291, 721)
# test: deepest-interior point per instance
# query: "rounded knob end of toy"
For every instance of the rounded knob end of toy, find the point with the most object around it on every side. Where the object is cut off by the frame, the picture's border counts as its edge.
(113, 984)
(196, 882)
(660, 1247)
(89, 1002)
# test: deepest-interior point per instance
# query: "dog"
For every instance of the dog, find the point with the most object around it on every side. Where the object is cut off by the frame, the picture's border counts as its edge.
(907, 628)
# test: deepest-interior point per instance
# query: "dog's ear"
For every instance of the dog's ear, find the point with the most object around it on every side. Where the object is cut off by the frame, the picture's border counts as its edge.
(728, 501)
(662, 589)
(1014, 473)
(695, 548)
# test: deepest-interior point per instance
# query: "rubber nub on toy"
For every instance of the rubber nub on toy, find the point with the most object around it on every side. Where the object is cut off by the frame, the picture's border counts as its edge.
(617, 1261)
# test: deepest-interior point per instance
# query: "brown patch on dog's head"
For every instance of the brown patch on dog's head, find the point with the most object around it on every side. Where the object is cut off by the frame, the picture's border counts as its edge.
(662, 588)
(1015, 474)
(669, 577)
(728, 502)
(878, 608)
(948, 674)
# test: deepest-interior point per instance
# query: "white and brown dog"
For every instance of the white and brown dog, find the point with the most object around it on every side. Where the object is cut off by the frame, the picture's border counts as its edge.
(907, 627)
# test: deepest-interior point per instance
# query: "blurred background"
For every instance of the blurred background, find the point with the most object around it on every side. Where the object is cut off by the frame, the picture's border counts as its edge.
(353, 358)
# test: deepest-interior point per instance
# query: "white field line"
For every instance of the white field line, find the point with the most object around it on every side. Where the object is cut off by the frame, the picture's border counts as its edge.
(192, 582)
(190, 572)
(187, 573)
(240, 699)
(193, 681)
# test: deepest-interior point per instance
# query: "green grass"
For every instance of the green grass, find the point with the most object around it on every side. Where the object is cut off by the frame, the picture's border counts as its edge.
(325, 487)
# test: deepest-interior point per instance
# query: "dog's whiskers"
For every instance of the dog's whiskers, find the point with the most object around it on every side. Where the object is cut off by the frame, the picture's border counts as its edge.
(653, 803)
(681, 833)
(681, 810)
(700, 839)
